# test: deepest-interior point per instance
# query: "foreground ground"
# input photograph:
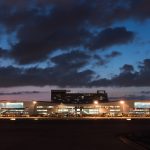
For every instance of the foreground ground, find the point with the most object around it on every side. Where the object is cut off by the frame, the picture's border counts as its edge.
(69, 134)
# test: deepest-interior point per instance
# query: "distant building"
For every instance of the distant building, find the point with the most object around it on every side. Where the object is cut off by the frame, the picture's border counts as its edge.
(65, 96)
(140, 108)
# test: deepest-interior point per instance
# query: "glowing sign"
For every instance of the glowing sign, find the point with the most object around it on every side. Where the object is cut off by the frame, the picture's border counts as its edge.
(11, 105)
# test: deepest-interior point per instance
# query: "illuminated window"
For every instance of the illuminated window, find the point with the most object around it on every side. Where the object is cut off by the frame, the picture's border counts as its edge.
(41, 109)
(91, 111)
(141, 105)
(50, 106)
(39, 106)
(114, 110)
(11, 105)
(62, 110)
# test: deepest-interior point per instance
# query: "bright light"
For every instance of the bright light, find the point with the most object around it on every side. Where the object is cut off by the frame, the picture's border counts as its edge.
(122, 102)
(12, 119)
(95, 102)
(34, 102)
(128, 119)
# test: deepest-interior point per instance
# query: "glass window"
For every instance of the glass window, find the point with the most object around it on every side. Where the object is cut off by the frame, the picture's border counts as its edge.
(142, 105)
(11, 105)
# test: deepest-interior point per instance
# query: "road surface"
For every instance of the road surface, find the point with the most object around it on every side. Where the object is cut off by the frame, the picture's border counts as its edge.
(68, 134)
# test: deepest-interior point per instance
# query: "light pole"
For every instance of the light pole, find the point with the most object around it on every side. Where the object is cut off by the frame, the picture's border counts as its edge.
(95, 106)
(34, 107)
(122, 103)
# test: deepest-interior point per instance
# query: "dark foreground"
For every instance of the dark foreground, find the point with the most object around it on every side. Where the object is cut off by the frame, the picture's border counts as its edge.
(69, 134)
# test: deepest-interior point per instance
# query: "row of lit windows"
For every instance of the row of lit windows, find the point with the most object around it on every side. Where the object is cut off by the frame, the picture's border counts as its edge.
(115, 110)
(142, 105)
(44, 106)
(11, 105)
(45, 110)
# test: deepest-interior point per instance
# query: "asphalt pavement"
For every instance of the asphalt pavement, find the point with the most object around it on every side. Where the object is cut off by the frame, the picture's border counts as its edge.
(69, 134)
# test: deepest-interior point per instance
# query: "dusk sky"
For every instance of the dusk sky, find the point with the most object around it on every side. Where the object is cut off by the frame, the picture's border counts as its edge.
(84, 45)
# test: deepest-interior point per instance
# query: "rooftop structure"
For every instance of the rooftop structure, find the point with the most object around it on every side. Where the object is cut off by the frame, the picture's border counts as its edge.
(65, 96)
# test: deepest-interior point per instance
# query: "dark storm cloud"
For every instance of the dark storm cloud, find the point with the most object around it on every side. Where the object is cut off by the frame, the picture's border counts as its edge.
(128, 76)
(61, 30)
(132, 78)
(140, 9)
(69, 63)
(127, 68)
(65, 72)
(110, 37)
(101, 61)
(73, 57)
(69, 73)
(12, 76)
(44, 26)
(3, 53)
(67, 69)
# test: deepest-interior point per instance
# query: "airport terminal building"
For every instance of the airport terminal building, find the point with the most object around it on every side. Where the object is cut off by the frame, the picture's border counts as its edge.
(97, 105)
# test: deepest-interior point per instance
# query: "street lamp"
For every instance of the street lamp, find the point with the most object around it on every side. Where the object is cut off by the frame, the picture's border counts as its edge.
(34, 107)
(34, 102)
(95, 102)
(96, 107)
(122, 103)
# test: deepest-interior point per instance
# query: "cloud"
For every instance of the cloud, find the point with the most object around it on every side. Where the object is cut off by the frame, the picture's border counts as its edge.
(101, 61)
(19, 93)
(130, 97)
(97, 12)
(145, 92)
(140, 9)
(69, 63)
(67, 73)
(73, 57)
(127, 68)
(67, 69)
(42, 34)
(128, 76)
(44, 26)
(111, 36)
(11, 76)
(3, 53)
(113, 54)
(136, 97)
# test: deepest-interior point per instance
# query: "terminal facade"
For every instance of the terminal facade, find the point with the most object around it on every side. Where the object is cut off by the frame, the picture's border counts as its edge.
(48, 109)
(65, 103)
